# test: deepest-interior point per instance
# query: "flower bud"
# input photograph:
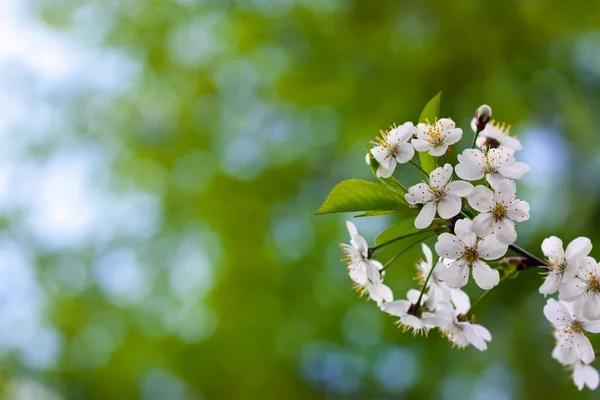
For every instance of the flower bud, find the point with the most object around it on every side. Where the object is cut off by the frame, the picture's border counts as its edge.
(482, 116)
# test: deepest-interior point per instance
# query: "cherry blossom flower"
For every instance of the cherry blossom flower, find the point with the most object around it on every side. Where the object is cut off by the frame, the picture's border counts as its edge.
(500, 211)
(584, 375)
(496, 135)
(461, 332)
(468, 251)
(495, 165)
(438, 293)
(404, 309)
(363, 271)
(360, 267)
(376, 289)
(393, 148)
(585, 288)
(436, 138)
(562, 264)
(439, 195)
(570, 327)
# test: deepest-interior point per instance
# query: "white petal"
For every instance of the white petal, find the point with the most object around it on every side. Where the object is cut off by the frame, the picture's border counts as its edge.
(491, 249)
(386, 167)
(515, 170)
(580, 247)
(440, 176)
(551, 283)
(449, 246)
(351, 228)
(460, 188)
(583, 348)
(456, 275)
(405, 153)
(584, 375)
(418, 194)
(590, 306)
(556, 313)
(518, 211)
(504, 191)
(563, 355)
(463, 230)
(485, 277)
(426, 215)
(461, 301)
(397, 308)
(494, 178)
(454, 136)
(439, 150)
(413, 295)
(421, 145)
(449, 206)
(572, 289)
(552, 248)
(380, 293)
(482, 225)
(592, 326)
(482, 332)
(473, 338)
(471, 165)
(505, 232)
(406, 131)
(481, 199)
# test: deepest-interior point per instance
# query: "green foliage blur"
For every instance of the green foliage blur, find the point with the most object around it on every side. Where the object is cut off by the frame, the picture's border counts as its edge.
(228, 122)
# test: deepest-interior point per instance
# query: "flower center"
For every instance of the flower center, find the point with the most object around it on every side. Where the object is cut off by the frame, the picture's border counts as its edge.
(437, 192)
(499, 211)
(470, 254)
(593, 284)
(576, 327)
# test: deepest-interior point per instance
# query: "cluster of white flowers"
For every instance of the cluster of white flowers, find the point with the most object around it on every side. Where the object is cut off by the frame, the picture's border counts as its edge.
(576, 278)
(478, 212)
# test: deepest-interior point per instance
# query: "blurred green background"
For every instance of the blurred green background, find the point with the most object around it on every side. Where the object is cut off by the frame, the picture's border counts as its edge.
(160, 166)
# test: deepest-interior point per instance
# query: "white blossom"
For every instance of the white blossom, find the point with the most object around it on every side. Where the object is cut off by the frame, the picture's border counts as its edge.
(495, 165)
(404, 309)
(463, 333)
(360, 267)
(500, 211)
(562, 264)
(585, 288)
(439, 195)
(363, 271)
(468, 251)
(584, 375)
(497, 135)
(436, 138)
(438, 293)
(570, 327)
(393, 148)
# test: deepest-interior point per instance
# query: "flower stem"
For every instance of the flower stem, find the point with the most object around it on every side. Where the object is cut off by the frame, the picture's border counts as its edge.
(530, 259)
(387, 264)
(475, 139)
(372, 249)
(418, 166)
(418, 305)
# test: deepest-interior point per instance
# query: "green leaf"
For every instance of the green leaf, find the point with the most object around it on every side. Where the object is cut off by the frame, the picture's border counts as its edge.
(403, 213)
(374, 213)
(356, 195)
(404, 227)
(429, 113)
(390, 182)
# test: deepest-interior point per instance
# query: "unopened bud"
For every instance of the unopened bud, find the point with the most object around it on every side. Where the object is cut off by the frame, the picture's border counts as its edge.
(483, 115)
